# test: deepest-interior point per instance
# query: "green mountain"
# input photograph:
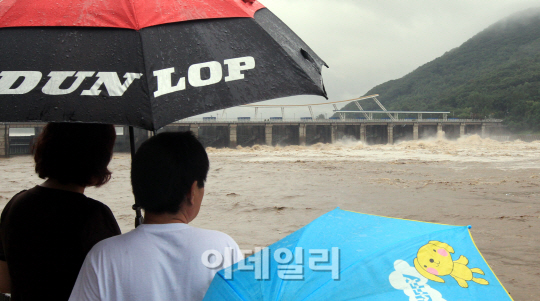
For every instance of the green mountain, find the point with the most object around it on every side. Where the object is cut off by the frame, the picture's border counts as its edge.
(495, 74)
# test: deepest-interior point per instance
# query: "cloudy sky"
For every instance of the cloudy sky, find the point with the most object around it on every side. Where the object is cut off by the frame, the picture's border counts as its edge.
(368, 42)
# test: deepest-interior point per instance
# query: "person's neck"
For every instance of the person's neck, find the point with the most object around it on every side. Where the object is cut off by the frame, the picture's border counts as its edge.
(55, 184)
(165, 218)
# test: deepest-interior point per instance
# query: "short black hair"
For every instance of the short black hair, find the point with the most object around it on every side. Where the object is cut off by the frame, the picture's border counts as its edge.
(75, 153)
(164, 168)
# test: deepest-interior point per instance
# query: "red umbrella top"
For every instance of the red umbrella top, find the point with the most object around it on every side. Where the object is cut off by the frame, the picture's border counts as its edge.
(132, 14)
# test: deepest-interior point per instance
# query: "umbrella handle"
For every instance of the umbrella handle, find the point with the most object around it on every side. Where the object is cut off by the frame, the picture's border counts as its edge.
(139, 219)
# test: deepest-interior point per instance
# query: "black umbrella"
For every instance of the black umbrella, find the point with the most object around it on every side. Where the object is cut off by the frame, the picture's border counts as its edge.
(145, 63)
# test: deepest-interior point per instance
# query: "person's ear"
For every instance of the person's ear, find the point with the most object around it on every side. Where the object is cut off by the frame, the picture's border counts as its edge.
(192, 192)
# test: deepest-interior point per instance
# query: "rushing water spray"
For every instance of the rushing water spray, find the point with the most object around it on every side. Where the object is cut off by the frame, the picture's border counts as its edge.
(471, 148)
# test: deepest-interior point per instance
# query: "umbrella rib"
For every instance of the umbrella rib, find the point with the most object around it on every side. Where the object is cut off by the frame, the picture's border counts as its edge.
(370, 254)
(134, 15)
(229, 284)
(146, 79)
(281, 48)
(7, 11)
(297, 242)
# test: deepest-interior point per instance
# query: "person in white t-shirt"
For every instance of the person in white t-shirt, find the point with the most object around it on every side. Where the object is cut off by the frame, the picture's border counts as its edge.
(164, 258)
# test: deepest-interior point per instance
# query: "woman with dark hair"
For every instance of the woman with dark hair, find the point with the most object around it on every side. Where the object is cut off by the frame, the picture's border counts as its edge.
(46, 231)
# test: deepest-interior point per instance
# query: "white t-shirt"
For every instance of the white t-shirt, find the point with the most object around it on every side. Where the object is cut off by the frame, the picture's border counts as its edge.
(154, 262)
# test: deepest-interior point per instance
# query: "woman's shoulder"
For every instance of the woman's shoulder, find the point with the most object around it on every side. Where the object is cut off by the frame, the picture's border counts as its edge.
(20, 194)
(7, 207)
(97, 209)
(54, 194)
(97, 204)
(99, 215)
(18, 197)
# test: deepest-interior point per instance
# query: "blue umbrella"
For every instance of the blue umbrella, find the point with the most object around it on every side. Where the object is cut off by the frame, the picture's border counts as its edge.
(345, 255)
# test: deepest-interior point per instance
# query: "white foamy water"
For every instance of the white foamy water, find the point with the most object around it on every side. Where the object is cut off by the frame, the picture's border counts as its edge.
(505, 155)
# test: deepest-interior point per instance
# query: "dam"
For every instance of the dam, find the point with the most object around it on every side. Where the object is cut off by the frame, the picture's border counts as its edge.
(17, 138)
(370, 127)
(243, 132)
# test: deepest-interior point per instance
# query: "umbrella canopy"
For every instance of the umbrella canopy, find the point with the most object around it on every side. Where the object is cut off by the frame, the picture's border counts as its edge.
(344, 255)
(145, 63)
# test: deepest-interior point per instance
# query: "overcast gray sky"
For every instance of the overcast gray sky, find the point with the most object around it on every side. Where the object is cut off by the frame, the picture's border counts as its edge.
(368, 42)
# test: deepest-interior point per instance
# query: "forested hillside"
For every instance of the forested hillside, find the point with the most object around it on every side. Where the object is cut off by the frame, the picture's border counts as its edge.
(495, 74)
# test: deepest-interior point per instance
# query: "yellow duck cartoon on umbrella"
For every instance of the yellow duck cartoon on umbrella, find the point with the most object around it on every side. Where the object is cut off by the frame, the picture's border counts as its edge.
(434, 260)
